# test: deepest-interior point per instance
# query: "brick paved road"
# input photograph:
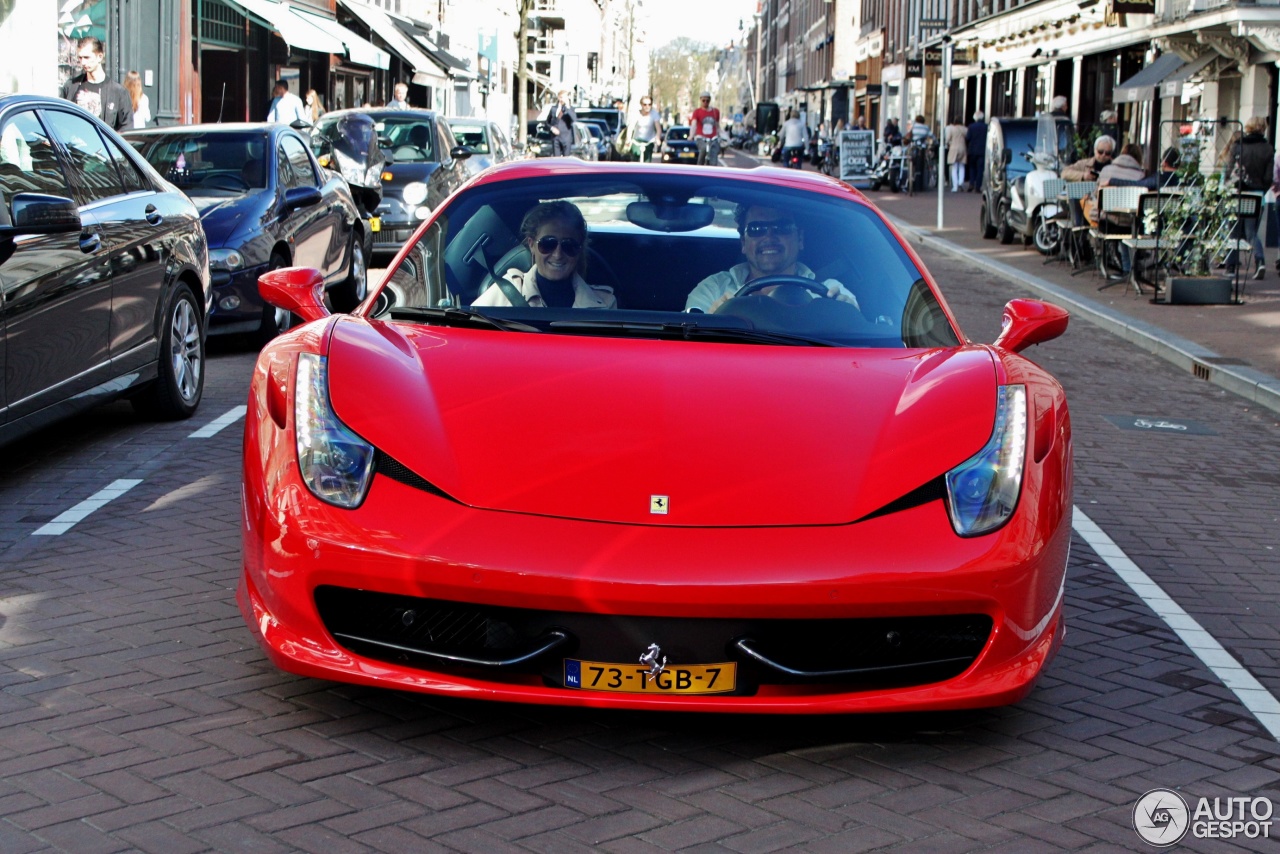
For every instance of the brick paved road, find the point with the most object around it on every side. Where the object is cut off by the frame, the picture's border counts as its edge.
(136, 715)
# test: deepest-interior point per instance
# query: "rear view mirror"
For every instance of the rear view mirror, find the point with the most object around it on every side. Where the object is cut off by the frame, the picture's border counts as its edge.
(1029, 321)
(299, 290)
(37, 213)
(460, 152)
(1006, 156)
(301, 197)
(670, 217)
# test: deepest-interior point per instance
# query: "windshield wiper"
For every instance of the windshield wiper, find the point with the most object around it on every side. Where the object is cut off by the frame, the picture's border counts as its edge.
(691, 329)
(458, 317)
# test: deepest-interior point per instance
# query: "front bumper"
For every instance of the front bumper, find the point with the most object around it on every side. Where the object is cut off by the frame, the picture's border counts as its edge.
(314, 574)
(236, 303)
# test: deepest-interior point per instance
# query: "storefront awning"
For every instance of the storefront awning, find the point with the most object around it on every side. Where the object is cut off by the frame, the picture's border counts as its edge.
(449, 63)
(1172, 85)
(296, 32)
(377, 20)
(359, 50)
(1142, 86)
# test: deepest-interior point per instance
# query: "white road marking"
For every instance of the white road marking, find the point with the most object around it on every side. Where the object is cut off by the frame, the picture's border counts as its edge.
(215, 426)
(65, 520)
(1258, 700)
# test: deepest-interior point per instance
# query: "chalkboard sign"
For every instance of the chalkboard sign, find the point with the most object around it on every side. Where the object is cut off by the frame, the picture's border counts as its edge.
(857, 154)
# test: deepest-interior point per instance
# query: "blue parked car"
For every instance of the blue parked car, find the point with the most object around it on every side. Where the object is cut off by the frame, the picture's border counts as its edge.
(265, 203)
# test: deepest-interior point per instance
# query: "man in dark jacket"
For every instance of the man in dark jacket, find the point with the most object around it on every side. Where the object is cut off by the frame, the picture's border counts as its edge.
(560, 119)
(975, 137)
(1252, 162)
(91, 89)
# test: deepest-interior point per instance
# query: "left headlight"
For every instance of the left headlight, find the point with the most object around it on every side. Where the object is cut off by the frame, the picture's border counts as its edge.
(336, 464)
(414, 193)
(982, 492)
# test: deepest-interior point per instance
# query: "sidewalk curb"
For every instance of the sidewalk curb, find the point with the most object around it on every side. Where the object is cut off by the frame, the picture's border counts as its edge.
(1251, 384)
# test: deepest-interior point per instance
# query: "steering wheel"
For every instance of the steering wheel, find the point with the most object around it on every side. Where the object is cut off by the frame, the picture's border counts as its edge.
(773, 281)
(225, 181)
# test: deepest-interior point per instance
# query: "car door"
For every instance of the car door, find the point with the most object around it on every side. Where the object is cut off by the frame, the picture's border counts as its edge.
(131, 216)
(310, 228)
(56, 288)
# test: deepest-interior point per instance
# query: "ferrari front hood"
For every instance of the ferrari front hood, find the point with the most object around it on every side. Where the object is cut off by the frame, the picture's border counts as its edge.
(660, 432)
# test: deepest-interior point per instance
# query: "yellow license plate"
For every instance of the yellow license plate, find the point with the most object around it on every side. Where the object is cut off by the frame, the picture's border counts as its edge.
(375, 224)
(635, 678)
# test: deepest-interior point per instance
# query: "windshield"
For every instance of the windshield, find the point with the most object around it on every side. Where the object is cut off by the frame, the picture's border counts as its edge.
(210, 163)
(472, 137)
(664, 255)
(677, 134)
(404, 139)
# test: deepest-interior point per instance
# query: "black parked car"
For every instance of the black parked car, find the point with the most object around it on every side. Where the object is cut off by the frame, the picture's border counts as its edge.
(599, 137)
(265, 203)
(540, 141)
(613, 120)
(424, 165)
(678, 146)
(104, 273)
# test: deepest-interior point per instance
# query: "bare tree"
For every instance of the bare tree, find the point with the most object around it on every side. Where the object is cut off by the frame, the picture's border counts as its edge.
(678, 73)
(522, 73)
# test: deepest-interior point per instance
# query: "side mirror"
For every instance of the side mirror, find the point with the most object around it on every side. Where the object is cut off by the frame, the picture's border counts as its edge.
(36, 213)
(295, 289)
(301, 197)
(1030, 321)
(1006, 156)
(460, 152)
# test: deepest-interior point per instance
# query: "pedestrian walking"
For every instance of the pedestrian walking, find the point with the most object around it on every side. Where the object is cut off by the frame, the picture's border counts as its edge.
(92, 91)
(957, 153)
(287, 107)
(141, 103)
(706, 131)
(560, 118)
(315, 106)
(1252, 172)
(400, 101)
(976, 140)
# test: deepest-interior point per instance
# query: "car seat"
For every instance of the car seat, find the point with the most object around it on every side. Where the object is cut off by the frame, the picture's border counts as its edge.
(252, 173)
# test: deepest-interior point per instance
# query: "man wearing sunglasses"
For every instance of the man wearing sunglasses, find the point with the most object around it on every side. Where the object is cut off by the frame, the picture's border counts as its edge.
(771, 244)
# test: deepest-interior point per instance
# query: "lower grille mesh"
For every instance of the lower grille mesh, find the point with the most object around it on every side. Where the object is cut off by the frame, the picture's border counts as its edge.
(862, 652)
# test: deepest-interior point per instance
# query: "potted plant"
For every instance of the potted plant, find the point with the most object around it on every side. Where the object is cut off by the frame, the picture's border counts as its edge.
(1195, 227)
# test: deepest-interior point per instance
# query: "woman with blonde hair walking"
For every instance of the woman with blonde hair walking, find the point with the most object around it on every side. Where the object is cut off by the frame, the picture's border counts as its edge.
(141, 103)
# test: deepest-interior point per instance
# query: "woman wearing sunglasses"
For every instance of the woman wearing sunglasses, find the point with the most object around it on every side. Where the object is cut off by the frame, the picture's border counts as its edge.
(556, 235)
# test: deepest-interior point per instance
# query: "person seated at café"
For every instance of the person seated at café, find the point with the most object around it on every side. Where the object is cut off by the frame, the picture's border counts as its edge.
(1104, 148)
(1126, 167)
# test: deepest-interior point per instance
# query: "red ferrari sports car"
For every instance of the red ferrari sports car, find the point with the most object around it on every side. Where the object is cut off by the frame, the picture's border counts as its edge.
(636, 436)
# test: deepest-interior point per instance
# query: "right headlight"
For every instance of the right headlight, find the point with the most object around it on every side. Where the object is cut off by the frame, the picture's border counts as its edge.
(982, 492)
(336, 464)
(414, 193)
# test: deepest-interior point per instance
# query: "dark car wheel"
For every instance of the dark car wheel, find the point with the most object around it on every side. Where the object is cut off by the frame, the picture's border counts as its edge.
(1004, 231)
(984, 223)
(176, 392)
(274, 320)
(355, 288)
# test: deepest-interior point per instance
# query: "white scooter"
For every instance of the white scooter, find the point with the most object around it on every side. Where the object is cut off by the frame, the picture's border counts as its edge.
(1030, 213)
